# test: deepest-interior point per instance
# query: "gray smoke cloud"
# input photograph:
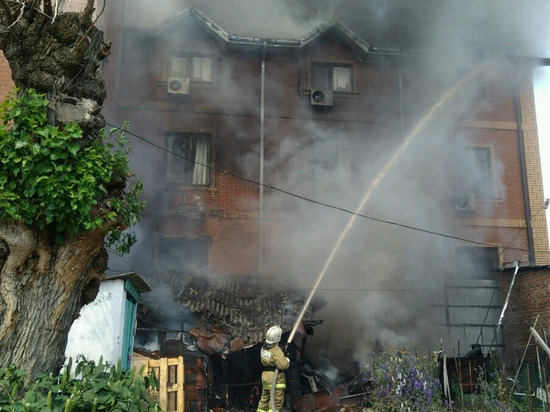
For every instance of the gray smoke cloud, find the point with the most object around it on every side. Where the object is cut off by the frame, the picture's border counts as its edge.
(386, 279)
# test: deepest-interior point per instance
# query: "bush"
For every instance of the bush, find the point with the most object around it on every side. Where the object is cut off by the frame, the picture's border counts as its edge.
(99, 387)
(402, 382)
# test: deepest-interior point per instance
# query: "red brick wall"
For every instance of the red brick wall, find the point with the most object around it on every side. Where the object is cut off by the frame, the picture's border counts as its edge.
(529, 306)
(222, 110)
(229, 108)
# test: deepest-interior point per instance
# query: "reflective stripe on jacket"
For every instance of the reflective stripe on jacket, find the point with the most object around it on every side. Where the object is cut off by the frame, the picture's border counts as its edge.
(273, 356)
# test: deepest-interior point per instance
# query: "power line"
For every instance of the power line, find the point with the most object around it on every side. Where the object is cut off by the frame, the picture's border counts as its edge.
(317, 202)
(524, 226)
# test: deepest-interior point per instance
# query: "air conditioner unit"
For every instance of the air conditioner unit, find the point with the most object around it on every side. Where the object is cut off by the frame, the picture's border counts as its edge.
(465, 202)
(178, 85)
(322, 97)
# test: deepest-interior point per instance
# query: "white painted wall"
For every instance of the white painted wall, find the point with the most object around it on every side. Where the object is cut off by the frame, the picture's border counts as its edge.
(99, 328)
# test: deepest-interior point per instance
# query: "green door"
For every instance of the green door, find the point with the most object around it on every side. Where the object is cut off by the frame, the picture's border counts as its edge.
(132, 297)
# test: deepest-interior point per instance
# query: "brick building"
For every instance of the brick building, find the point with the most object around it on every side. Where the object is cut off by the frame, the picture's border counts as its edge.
(256, 151)
(528, 308)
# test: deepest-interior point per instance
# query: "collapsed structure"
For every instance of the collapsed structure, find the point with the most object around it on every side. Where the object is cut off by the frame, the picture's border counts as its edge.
(223, 349)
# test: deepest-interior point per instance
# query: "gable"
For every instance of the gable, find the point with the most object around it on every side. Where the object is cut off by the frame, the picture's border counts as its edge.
(228, 40)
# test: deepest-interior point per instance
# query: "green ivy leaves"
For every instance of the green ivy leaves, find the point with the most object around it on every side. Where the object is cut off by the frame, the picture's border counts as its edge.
(48, 179)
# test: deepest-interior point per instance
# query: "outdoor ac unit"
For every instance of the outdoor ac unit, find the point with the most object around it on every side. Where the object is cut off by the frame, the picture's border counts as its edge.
(465, 202)
(178, 85)
(322, 97)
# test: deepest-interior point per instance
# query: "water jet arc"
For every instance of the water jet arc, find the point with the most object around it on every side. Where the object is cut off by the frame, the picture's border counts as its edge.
(451, 92)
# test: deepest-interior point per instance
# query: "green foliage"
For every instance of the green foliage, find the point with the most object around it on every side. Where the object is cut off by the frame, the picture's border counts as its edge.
(492, 395)
(497, 393)
(403, 382)
(99, 387)
(50, 180)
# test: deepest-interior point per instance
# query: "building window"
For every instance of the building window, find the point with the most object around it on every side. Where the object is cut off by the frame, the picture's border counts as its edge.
(195, 68)
(189, 158)
(202, 69)
(476, 173)
(481, 157)
(329, 76)
(477, 262)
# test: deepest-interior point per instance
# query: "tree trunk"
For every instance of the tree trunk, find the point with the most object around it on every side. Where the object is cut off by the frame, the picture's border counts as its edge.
(61, 58)
(42, 288)
(43, 285)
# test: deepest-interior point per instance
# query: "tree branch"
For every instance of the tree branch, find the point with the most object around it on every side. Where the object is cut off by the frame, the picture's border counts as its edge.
(88, 11)
(47, 7)
(87, 17)
(21, 11)
(7, 12)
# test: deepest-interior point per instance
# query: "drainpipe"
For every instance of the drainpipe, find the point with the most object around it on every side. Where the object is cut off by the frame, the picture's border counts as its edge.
(262, 128)
(525, 189)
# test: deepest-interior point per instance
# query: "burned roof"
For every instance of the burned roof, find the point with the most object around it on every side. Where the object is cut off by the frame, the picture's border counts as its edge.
(243, 308)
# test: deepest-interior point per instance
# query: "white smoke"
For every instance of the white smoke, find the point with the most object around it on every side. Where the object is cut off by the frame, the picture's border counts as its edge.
(386, 278)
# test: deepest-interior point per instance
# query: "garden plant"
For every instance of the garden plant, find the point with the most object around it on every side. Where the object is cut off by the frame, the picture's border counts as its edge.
(90, 387)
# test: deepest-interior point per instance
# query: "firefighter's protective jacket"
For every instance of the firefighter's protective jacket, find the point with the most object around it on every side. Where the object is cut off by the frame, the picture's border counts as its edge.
(272, 357)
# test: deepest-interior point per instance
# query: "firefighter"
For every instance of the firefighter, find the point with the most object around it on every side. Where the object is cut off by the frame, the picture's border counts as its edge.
(273, 358)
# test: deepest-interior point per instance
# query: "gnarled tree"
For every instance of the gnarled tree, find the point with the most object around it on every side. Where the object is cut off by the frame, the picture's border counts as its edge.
(62, 188)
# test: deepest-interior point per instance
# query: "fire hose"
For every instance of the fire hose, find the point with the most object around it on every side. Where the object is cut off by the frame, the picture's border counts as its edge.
(374, 184)
(274, 382)
(272, 395)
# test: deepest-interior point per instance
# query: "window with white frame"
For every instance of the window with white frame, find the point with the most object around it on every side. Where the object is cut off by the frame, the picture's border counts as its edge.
(331, 76)
(202, 69)
(189, 158)
(195, 68)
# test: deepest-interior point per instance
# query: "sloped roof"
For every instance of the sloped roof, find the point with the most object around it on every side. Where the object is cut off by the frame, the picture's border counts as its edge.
(139, 283)
(361, 48)
(244, 309)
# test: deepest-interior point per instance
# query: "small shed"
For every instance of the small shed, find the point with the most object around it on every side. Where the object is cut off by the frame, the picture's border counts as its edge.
(106, 326)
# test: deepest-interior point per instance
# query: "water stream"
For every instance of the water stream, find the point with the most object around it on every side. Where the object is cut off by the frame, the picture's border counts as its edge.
(436, 108)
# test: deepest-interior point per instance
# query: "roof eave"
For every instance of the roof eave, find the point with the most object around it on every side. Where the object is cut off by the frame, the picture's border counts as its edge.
(139, 283)
(361, 49)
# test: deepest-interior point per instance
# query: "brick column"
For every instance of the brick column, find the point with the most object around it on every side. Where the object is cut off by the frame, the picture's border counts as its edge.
(534, 175)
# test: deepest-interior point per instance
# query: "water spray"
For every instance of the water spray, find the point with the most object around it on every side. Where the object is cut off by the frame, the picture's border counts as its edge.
(373, 186)
(376, 182)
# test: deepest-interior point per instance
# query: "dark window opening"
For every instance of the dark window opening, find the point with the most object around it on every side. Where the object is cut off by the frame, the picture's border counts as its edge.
(476, 173)
(483, 187)
(477, 262)
(189, 158)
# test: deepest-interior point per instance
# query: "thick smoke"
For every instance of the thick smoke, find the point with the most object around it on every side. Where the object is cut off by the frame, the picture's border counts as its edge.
(387, 275)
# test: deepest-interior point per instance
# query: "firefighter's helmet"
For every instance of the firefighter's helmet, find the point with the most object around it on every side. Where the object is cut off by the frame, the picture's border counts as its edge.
(273, 334)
